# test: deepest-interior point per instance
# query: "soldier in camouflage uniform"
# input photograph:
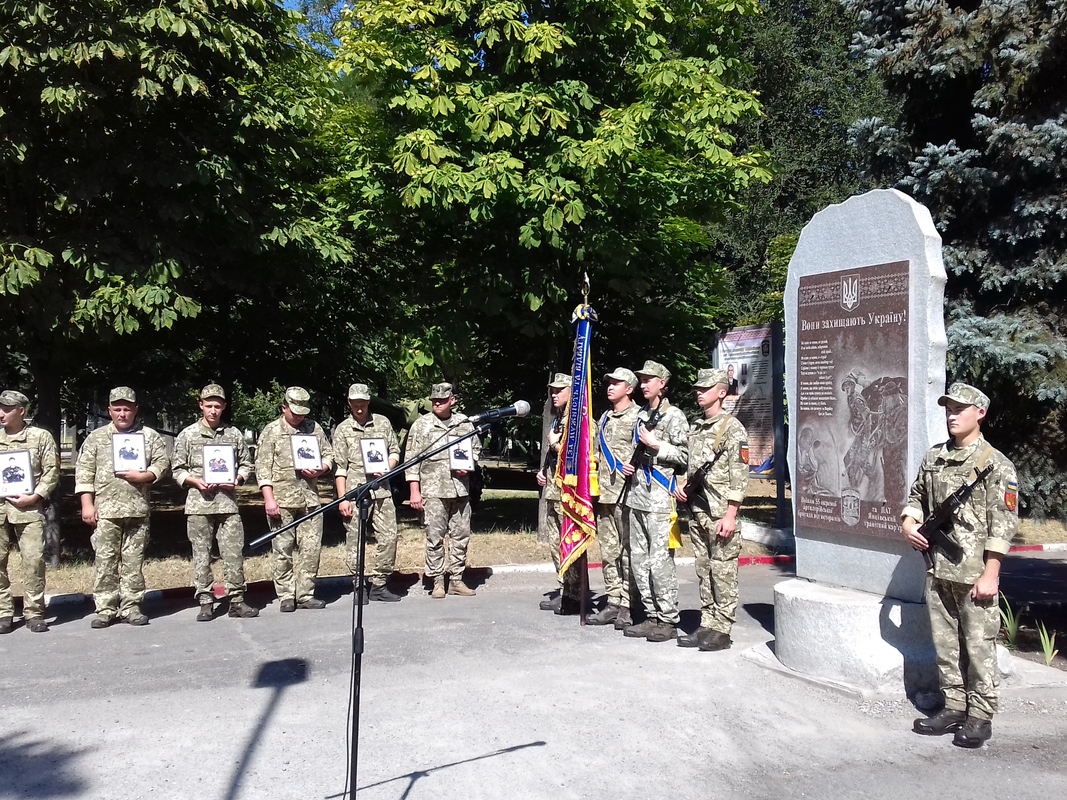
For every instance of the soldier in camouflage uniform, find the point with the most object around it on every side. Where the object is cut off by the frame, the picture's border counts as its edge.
(663, 434)
(718, 460)
(351, 473)
(22, 515)
(567, 601)
(289, 494)
(962, 594)
(211, 507)
(114, 501)
(441, 493)
(614, 447)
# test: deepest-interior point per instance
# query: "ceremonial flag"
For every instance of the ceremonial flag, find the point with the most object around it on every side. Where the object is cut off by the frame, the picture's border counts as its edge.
(576, 472)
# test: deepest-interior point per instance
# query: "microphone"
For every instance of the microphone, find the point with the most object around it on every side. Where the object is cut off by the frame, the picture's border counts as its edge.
(520, 409)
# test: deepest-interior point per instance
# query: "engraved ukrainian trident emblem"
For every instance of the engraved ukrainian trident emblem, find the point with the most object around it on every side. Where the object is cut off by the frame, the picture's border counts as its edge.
(850, 292)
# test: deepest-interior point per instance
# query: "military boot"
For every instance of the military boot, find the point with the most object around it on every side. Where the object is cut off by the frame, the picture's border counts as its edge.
(569, 606)
(663, 632)
(207, 612)
(607, 615)
(136, 618)
(438, 592)
(458, 587)
(715, 640)
(640, 630)
(359, 592)
(241, 610)
(946, 720)
(974, 733)
(381, 594)
(624, 620)
(99, 622)
(311, 603)
(37, 625)
(551, 604)
(7, 624)
(694, 639)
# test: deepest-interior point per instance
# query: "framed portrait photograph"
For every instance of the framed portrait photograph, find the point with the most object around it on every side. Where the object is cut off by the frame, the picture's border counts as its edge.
(306, 453)
(220, 463)
(128, 452)
(16, 473)
(460, 455)
(375, 455)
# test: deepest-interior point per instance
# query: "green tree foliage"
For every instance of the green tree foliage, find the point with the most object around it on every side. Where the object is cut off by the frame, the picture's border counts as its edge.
(982, 141)
(524, 144)
(811, 89)
(157, 166)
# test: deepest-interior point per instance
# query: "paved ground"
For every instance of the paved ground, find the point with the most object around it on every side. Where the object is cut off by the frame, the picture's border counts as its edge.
(483, 697)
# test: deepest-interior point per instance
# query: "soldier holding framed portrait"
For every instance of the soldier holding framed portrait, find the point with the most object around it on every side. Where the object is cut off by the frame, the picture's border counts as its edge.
(212, 459)
(114, 502)
(365, 446)
(30, 473)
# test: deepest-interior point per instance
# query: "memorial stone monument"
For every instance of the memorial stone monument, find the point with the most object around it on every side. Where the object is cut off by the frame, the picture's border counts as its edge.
(865, 364)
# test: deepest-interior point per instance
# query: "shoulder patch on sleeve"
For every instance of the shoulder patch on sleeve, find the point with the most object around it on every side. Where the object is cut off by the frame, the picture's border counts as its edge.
(1011, 495)
(744, 452)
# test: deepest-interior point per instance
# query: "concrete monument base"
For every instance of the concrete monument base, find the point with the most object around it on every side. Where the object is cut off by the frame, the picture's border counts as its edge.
(873, 643)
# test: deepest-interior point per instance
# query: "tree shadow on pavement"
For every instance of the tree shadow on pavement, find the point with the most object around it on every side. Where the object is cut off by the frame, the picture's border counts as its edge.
(33, 768)
(276, 676)
(413, 777)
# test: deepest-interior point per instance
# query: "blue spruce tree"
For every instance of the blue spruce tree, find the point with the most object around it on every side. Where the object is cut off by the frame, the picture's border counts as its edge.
(982, 141)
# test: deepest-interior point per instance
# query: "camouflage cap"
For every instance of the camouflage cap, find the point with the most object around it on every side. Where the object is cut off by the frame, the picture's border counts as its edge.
(560, 380)
(359, 391)
(120, 393)
(706, 378)
(655, 369)
(622, 374)
(297, 399)
(11, 397)
(212, 390)
(441, 391)
(966, 394)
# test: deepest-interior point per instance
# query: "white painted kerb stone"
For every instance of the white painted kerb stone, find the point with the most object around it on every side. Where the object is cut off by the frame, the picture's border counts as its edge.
(872, 643)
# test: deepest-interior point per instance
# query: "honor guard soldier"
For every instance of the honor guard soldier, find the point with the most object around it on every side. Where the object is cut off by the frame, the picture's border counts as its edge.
(290, 491)
(714, 488)
(116, 468)
(22, 507)
(567, 601)
(662, 436)
(614, 449)
(442, 493)
(351, 472)
(962, 590)
(211, 503)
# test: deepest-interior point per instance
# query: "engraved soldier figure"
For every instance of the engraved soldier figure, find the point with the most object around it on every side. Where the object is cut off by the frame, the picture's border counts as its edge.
(211, 507)
(350, 473)
(441, 493)
(567, 601)
(288, 494)
(662, 436)
(614, 448)
(114, 501)
(715, 487)
(22, 516)
(962, 590)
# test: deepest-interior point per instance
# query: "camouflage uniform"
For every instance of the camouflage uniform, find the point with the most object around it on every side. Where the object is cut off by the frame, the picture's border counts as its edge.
(726, 482)
(295, 553)
(446, 506)
(349, 458)
(122, 510)
(987, 522)
(570, 583)
(213, 514)
(650, 507)
(26, 525)
(612, 525)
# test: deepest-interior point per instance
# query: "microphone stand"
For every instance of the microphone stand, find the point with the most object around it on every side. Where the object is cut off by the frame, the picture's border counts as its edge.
(363, 495)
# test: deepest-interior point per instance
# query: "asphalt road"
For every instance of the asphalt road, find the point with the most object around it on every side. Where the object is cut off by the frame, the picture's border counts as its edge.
(482, 697)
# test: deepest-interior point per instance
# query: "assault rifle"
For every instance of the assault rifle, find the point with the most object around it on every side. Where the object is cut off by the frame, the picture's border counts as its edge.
(694, 487)
(550, 455)
(642, 456)
(935, 527)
